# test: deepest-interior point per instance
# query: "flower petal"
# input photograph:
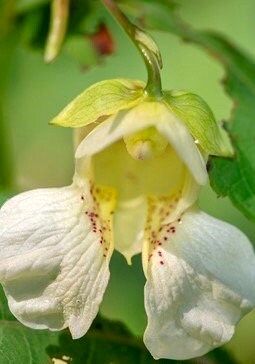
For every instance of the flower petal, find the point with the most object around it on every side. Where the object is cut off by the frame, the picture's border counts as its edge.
(200, 284)
(129, 222)
(55, 246)
(133, 180)
(181, 140)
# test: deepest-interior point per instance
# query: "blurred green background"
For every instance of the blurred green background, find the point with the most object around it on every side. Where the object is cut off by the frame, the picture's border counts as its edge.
(41, 155)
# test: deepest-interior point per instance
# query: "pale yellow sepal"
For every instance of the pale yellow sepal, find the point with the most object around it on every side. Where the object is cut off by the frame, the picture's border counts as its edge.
(102, 99)
(194, 112)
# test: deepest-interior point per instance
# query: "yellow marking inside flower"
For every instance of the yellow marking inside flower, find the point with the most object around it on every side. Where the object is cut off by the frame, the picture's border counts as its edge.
(146, 144)
(105, 199)
(114, 167)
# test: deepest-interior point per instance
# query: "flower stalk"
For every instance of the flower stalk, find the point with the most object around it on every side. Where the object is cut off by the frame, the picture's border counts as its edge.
(146, 46)
(58, 26)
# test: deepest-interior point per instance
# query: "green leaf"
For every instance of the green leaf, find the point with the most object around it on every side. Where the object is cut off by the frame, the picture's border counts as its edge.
(234, 178)
(19, 344)
(200, 121)
(100, 100)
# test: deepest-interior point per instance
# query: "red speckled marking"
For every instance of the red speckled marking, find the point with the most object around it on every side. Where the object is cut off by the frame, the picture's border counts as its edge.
(99, 213)
(158, 234)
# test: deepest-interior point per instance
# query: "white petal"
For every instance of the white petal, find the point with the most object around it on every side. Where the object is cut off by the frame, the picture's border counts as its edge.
(181, 140)
(200, 283)
(53, 263)
(129, 222)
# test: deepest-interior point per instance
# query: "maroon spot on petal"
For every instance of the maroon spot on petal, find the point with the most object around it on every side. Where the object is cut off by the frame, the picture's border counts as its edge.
(161, 262)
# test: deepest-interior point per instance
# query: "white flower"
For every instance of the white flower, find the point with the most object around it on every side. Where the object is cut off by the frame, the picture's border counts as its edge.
(137, 179)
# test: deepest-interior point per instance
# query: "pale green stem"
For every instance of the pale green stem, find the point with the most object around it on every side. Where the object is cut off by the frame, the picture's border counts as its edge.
(58, 27)
(146, 46)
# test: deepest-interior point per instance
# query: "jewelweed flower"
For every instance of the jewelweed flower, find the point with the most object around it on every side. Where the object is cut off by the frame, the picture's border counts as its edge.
(135, 188)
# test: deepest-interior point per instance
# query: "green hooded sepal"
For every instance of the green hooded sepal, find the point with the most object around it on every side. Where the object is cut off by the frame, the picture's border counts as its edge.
(100, 100)
(194, 112)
